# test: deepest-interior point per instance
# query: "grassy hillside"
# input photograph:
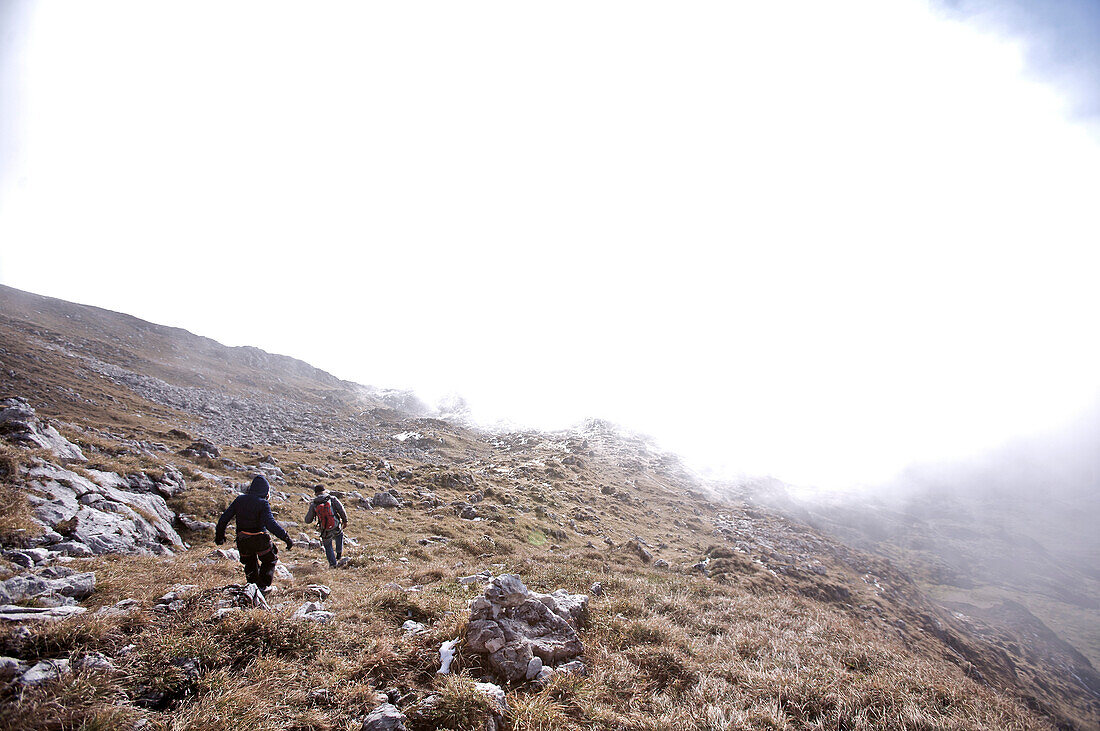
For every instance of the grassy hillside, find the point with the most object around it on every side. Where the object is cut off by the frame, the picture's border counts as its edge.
(709, 615)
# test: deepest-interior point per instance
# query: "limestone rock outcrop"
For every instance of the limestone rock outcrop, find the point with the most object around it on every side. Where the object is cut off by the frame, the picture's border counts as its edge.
(20, 424)
(101, 516)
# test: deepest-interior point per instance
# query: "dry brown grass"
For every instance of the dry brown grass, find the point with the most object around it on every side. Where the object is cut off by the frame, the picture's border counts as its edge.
(17, 523)
(666, 649)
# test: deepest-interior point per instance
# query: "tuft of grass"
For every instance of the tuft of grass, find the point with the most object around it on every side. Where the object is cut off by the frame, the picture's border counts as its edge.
(397, 606)
(665, 670)
(89, 701)
(538, 713)
(454, 704)
(78, 634)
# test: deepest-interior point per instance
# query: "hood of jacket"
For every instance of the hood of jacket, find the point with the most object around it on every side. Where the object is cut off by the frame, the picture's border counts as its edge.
(259, 486)
(322, 498)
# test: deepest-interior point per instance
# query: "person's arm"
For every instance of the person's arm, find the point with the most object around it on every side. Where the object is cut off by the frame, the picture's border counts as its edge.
(338, 508)
(275, 528)
(310, 514)
(223, 522)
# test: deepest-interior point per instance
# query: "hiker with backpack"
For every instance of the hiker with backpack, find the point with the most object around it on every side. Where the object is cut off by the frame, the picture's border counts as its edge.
(253, 513)
(331, 519)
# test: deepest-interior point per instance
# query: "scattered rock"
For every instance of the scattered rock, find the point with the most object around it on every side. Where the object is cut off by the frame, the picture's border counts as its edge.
(385, 717)
(126, 606)
(193, 524)
(534, 667)
(171, 483)
(74, 549)
(44, 589)
(636, 546)
(482, 578)
(385, 500)
(307, 540)
(43, 672)
(93, 661)
(465, 511)
(660, 564)
(201, 448)
(15, 613)
(313, 612)
(320, 590)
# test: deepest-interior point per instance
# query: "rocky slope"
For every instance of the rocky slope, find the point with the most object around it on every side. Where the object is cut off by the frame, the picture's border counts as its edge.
(1007, 544)
(575, 579)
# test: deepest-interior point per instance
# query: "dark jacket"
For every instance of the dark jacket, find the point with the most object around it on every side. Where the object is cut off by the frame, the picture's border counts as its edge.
(337, 509)
(252, 511)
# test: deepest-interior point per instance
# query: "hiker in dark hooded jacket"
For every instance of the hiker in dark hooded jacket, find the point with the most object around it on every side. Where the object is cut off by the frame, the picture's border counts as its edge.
(332, 536)
(253, 514)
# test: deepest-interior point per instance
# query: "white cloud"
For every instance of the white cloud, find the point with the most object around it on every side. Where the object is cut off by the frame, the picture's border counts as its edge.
(818, 240)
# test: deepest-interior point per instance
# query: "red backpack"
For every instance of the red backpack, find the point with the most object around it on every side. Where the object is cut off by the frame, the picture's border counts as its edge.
(326, 519)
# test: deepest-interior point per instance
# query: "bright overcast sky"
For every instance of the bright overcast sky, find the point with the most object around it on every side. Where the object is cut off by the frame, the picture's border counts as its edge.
(816, 240)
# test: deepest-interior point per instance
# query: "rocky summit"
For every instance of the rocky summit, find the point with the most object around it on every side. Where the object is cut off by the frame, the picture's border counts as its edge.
(490, 578)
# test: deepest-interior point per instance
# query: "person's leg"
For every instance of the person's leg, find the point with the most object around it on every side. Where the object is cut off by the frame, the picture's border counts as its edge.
(339, 545)
(248, 560)
(268, 559)
(330, 554)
